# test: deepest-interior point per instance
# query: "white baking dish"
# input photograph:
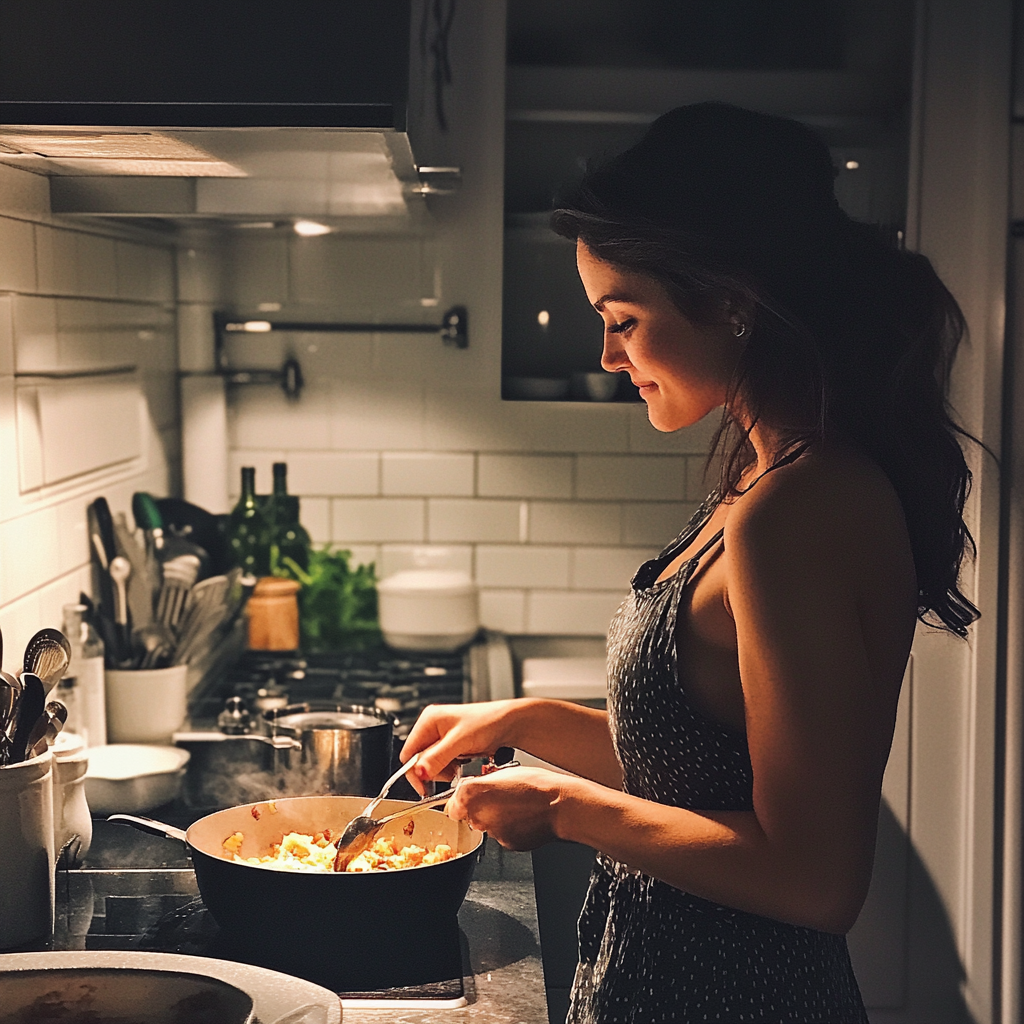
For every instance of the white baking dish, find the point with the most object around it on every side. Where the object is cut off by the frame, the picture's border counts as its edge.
(131, 777)
(428, 609)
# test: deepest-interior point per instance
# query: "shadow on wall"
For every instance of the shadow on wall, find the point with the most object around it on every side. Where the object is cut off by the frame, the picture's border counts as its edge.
(901, 983)
(903, 947)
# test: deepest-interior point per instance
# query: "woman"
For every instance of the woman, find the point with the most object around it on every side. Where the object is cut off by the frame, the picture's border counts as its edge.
(732, 789)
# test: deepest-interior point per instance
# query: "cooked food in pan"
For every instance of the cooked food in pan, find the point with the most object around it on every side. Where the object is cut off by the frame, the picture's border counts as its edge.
(300, 852)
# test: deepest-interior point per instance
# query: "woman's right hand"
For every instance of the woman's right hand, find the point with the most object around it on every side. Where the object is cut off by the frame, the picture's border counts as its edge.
(446, 734)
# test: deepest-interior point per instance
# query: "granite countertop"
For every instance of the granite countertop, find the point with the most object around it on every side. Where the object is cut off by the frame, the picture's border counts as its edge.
(505, 981)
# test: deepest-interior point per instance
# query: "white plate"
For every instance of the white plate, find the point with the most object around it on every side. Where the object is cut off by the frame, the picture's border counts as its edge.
(277, 998)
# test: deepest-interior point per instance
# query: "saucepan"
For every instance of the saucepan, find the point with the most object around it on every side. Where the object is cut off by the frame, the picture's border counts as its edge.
(371, 929)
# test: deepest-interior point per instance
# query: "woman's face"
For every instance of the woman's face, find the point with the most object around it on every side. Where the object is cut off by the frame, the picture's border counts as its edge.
(682, 369)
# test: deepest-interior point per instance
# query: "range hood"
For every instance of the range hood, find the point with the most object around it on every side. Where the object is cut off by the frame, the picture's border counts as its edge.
(231, 110)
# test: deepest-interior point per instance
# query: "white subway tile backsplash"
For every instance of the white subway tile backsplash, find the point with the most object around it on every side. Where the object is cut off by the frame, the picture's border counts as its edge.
(97, 266)
(426, 473)
(400, 557)
(635, 477)
(200, 274)
(504, 610)
(263, 417)
(700, 482)
(7, 361)
(144, 272)
(35, 334)
(17, 255)
(571, 613)
(315, 516)
(522, 566)
(29, 438)
(377, 519)
(574, 522)
(472, 519)
(73, 539)
(333, 473)
(606, 568)
(525, 476)
(19, 620)
(654, 522)
(376, 415)
(256, 270)
(28, 552)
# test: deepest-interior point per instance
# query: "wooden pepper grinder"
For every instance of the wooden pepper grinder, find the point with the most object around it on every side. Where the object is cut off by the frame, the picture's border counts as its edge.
(274, 615)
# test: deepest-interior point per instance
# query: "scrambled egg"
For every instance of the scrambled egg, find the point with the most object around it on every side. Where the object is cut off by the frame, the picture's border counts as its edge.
(300, 852)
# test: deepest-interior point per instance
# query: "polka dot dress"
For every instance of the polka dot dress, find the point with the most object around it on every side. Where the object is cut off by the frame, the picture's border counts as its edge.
(650, 952)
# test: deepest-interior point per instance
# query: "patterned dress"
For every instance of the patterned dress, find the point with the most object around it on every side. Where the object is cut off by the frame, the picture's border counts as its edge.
(650, 952)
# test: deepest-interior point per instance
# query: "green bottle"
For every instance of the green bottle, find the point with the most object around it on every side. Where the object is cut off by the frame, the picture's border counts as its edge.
(248, 530)
(290, 539)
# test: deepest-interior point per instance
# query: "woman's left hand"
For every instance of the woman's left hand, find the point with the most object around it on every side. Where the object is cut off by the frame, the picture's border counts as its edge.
(516, 805)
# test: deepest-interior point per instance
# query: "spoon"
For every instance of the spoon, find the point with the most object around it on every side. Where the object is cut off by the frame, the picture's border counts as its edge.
(47, 728)
(358, 825)
(30, 707)
(360, 831)
(10, 691)
(47, 655)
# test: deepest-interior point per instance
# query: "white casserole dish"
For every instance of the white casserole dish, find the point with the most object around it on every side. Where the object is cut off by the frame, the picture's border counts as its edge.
(131, 777)
(428, 609)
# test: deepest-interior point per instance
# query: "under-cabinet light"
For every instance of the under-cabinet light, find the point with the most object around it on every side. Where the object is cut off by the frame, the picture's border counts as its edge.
(310, 228)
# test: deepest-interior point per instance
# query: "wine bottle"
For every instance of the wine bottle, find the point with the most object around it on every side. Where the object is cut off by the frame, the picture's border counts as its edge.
(248, 531)
(290, 539)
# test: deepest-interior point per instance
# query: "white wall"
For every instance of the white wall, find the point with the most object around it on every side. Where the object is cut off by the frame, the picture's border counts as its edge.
(73, 302)
(402, 448)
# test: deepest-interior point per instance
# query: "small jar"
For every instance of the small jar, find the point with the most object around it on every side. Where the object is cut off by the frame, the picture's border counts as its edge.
(274, 615)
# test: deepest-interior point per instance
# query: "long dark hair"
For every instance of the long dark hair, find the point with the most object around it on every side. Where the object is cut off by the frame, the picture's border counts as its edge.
(848, 335)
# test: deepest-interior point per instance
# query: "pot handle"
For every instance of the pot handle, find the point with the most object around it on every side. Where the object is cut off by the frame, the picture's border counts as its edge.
(154, 828)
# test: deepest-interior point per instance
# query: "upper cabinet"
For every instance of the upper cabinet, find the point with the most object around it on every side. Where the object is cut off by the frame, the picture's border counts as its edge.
(586, 77)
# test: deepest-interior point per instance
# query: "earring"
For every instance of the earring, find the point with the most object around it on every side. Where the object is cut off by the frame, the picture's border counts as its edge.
(739, 328)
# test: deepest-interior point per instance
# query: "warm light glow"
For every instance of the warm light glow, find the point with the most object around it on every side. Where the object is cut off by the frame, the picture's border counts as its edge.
(543, 318)
(256, 326)
(310, 228)
(852, 165)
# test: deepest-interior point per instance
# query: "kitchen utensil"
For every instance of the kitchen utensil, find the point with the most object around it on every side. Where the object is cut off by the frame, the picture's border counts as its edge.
(47, 655)
(197, 525)
(145, 996)
(361, 831)
(428, 609)
(152, 644)
(55, 714)
(178, 576)
(344, 749)
(367, 812)
(143, 580)
(145, 705)
(10, 692)
(274, 995)
(130, 777)
(405, 913)
(30, 707)
(205, 611)
(120, 570)
(26, 852)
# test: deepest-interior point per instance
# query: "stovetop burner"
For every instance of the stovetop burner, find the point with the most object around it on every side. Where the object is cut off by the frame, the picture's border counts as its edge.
(188, 928)
(400, 683)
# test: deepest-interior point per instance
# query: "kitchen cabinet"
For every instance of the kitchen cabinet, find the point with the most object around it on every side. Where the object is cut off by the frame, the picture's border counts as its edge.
(583, 84)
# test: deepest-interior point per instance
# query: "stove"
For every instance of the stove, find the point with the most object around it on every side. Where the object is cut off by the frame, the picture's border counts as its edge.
(400, 683)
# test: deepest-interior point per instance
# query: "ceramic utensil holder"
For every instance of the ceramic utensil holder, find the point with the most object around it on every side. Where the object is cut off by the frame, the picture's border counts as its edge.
(145, 705)
(26, 851)
(71, 818)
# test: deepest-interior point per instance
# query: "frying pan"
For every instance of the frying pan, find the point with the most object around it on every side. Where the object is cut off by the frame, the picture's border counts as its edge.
(362, 930)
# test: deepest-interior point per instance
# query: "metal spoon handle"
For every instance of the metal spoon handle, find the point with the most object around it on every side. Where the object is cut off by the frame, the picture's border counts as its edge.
(372, 805)
(437, 798)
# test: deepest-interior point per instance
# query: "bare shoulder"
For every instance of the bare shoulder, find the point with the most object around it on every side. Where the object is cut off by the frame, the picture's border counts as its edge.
(835, 500)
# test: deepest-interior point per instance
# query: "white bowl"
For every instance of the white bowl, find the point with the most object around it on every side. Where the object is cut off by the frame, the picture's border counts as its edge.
(131, 777)
(428, 609)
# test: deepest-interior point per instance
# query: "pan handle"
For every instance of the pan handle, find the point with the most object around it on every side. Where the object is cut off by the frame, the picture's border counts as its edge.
(154, 828)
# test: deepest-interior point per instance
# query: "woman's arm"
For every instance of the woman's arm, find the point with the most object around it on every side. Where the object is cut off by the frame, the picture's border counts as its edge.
(819, 724)
(563, 734)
